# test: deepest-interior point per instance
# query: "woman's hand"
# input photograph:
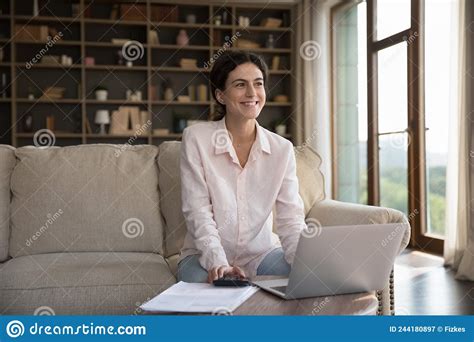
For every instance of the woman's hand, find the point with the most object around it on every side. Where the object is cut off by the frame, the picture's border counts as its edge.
(219, 271)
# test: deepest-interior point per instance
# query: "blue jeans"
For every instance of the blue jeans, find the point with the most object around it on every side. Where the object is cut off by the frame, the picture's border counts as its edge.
(191, 271)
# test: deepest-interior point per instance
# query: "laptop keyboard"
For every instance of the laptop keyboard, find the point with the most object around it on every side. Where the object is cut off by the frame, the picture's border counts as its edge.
(282, 289)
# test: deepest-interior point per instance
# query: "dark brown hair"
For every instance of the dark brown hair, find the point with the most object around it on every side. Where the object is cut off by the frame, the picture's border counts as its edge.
(221, 68)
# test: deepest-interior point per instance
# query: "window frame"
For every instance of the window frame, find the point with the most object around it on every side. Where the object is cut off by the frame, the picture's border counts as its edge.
(417, 197)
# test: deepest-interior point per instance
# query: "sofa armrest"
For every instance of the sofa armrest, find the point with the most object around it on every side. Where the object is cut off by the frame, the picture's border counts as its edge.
(333, 213)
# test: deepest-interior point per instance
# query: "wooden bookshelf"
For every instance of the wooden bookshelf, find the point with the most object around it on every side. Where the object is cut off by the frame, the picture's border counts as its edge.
(89, 34)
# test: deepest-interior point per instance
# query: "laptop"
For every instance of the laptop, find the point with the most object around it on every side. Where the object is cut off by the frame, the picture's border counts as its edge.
(340, 260)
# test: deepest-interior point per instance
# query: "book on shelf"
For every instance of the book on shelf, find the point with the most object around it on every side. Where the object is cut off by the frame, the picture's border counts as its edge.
(271, 22)
(165, 13)
(31, 32)
(50, 122)
(188, 63)
(53, 93)
(88, 126)
(275, 62)
(133, 12)
(119, 122)
(161, 131)
(129, 120)
(134, 113)
(114, 12)
(119, 41)
(50, 60)
(153, 38)
(144, 127)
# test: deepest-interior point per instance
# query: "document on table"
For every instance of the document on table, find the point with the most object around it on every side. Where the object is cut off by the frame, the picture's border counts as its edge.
(199, 297)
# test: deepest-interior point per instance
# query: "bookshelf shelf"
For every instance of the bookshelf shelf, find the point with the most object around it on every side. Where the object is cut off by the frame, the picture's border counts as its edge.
(42, 19)
(37, 42)
(98, 62)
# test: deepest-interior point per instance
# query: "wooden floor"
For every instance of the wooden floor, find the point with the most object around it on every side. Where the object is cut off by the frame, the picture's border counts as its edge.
(423, 286)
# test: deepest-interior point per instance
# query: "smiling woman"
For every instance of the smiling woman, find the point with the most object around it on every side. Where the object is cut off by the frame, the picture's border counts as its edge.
(227, 191)
(239, 76)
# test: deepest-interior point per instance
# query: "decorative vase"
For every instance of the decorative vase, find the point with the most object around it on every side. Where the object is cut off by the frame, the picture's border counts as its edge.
(35, 8)
(191, 19)
(168, 95)
(280, 129)
(182, 39)
(28, 123)
(202, 92)
(101, 95)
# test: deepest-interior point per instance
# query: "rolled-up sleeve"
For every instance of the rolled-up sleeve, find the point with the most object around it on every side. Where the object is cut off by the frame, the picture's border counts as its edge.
(289, 210)
(197, 206)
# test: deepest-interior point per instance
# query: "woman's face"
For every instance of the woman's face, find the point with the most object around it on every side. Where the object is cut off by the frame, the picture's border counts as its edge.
(244, 93)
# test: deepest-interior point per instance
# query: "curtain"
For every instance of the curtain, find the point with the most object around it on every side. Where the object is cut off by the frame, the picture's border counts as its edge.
(307, 53)
(313, 80)
(459, 240)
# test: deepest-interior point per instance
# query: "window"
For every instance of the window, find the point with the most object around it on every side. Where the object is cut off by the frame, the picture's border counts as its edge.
(392, 91)
(350, 103)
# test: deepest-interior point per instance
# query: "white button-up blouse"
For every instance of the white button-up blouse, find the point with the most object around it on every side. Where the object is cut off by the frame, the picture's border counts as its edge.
(227, 208)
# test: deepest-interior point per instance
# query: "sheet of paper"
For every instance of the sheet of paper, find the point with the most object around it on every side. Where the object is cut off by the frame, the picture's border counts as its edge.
(199, 297)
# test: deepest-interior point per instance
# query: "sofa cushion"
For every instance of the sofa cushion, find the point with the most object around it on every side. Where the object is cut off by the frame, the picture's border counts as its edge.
(310, 177)
(170, 196)
(82, 283)
(85, 198)
(7, 163)
(311, 189)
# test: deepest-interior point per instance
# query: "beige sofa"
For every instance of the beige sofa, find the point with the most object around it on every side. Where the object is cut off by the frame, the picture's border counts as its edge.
(96, 229)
